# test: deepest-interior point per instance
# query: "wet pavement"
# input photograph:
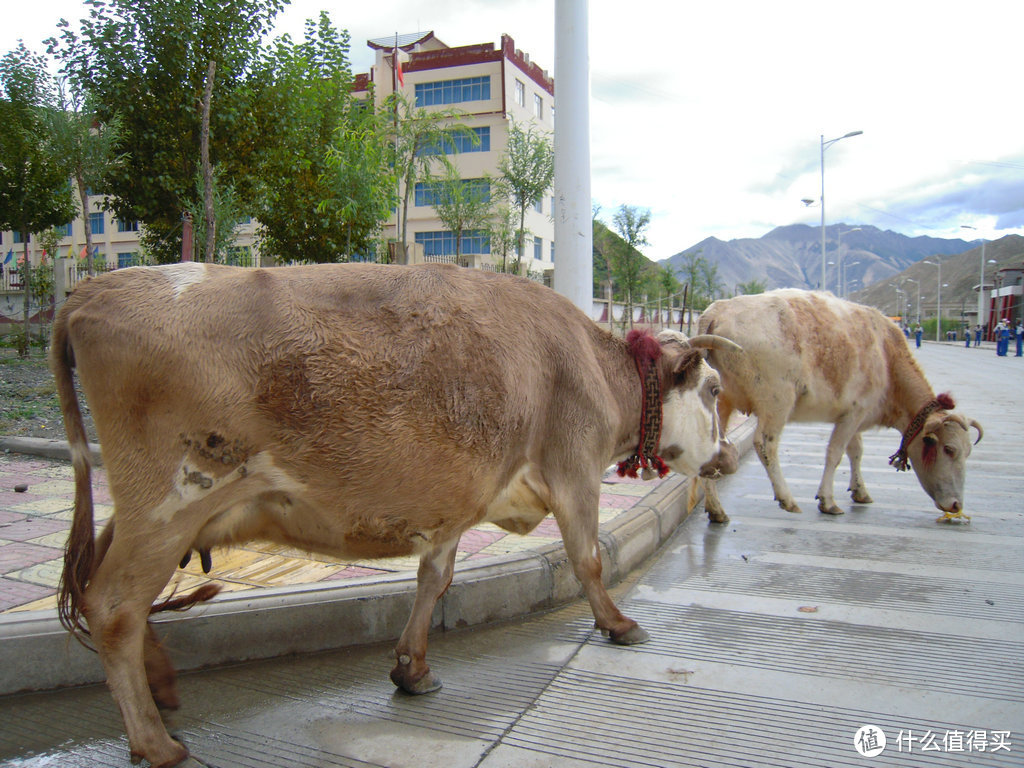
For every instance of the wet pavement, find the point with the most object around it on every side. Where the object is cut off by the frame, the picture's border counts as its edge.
(775, 640)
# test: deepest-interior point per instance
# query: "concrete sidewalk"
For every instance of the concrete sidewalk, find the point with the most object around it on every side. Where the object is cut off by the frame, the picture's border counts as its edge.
(775, 640)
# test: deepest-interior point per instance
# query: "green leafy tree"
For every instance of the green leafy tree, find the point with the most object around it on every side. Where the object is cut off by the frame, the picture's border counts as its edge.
(325, 182)
(528, 170)
(751, 287)
(149, 62)
(627, 263)
(463, 205)
(502, 233)
(87, 144)
(227, 214)
(34, 190)
(702, 277)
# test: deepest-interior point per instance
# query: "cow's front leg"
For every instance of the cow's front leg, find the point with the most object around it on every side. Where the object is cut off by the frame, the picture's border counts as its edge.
(712, 503)
(578, 522)
(766, 444)
(858, 490)
(842, 434)
(411, 672)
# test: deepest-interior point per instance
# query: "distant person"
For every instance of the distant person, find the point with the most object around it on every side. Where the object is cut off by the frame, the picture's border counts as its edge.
(967, 336)
(906, 331)
(977, 335)
(918, 331)
(1019, 333)
(1002, 337)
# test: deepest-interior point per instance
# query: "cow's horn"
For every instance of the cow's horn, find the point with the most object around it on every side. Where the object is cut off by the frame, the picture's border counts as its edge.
(981, 432)
(711, 341)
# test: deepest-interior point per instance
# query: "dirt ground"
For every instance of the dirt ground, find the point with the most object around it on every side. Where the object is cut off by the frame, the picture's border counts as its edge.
(28, 399)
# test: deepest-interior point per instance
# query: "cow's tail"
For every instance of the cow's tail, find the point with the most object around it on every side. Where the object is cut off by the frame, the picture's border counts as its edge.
(81, 547)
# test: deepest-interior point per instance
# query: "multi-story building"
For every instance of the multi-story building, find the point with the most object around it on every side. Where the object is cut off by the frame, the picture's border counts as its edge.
(491, 87)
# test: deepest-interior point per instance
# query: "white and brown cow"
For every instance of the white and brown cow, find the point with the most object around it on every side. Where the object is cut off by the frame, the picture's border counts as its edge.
(355, 410)
(811, 357)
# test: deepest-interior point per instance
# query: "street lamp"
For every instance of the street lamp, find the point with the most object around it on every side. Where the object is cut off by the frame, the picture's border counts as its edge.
(938, 295)
(825, 145)
(846, 280)
(839, 256)
(981, 282)
(912, 280)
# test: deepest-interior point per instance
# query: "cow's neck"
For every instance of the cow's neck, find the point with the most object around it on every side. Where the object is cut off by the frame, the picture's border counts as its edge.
(628, 394)
(909, 392)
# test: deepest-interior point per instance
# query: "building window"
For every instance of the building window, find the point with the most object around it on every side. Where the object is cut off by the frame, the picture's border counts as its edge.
(538, 106)
(127, 225)
(127, 259)
(453, 91)
(64, 230)
(17, 237)
(96, 223)
(443, 243)
(456, 143)
(239, 256)
(538, 249)
(520, 93)
(552, 251)
(539, 205)
(429, 192)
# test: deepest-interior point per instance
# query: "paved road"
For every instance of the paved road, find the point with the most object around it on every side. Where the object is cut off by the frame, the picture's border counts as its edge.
(775, 639)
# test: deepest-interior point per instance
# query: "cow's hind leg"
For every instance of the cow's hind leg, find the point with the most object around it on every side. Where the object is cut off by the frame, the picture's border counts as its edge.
(117, 604)
(577, 515)
(858, 490)
(411, 672)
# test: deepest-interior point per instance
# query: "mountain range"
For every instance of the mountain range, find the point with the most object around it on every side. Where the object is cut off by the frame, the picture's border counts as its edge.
(790, 256)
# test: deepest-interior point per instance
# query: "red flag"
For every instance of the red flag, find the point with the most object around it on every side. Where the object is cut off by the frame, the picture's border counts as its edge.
(398, 70)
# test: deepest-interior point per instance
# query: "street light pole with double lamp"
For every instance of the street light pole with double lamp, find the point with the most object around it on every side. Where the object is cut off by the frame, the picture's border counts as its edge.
(825, 145)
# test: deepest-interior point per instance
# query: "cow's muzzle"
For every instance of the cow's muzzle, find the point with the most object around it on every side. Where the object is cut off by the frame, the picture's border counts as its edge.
(725, 461)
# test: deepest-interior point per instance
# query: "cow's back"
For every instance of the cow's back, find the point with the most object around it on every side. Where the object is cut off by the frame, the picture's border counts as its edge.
(807, 353)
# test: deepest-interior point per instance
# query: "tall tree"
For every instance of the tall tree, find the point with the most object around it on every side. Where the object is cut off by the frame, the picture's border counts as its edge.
(87, 145)
(463, 205)
(528, 170)
(630, 223)
(421, 141)
(325, 182)
(34, 190)
(148, 61)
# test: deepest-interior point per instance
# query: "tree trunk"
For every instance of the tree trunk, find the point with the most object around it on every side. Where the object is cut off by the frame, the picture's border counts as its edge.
(204, 151)
(26, 273)
(83, 195)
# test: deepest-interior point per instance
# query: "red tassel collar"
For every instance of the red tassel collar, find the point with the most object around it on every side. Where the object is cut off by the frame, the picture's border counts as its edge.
(943, 402)
(646, 350)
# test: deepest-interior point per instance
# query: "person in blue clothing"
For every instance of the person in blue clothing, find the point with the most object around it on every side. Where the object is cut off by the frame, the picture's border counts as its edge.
(977, 335)
(1019, 333)
(967, 336)
(1002, 337)
(918, 331)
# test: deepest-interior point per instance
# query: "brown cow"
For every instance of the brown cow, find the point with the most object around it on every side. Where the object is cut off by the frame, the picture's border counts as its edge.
(815, 358)
(355, 410)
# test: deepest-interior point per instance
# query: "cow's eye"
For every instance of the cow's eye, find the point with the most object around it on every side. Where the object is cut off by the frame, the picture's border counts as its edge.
(950, 451)
(716, 390)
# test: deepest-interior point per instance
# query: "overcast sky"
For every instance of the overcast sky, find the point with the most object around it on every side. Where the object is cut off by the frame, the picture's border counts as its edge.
(711, 113)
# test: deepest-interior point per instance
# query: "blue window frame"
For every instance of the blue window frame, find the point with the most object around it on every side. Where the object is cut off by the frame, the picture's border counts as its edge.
(127, 225)
(127, 259)
(456, 143)
(453, 91)
(64, 230)
(443, 243)
(538, 249)
(428, 192)
(17, 237)
(96, 223)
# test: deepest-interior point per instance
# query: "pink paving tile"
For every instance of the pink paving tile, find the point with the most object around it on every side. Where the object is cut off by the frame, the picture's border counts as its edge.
(30, 528)
(548, 528)
(11, 498)
(21, 554)
(351, 572)
(474, 540)
(15, 593)
(6, 516)
(613, 501)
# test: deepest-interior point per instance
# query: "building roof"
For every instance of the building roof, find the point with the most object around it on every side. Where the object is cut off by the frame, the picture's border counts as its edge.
(406, 42)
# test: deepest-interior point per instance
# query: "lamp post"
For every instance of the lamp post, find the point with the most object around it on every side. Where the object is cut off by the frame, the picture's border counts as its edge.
(981, 280)
(839, 256)
(915, 282)
(846, 280)
(938, 295)
(825, 145)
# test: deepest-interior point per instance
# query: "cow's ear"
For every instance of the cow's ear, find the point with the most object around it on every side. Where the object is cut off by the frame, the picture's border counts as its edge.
(686, 362)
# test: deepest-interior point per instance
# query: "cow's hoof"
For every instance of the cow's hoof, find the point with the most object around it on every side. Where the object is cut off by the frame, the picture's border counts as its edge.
(791, 506)
(861, 497)
(632, 636)
(717, 516)
(426, 684)
(829, 509)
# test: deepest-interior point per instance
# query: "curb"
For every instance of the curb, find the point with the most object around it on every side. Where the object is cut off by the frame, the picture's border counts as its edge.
(37, 653)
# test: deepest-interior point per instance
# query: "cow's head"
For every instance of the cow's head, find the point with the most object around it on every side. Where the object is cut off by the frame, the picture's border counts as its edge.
(692, 440)
(938, 454)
